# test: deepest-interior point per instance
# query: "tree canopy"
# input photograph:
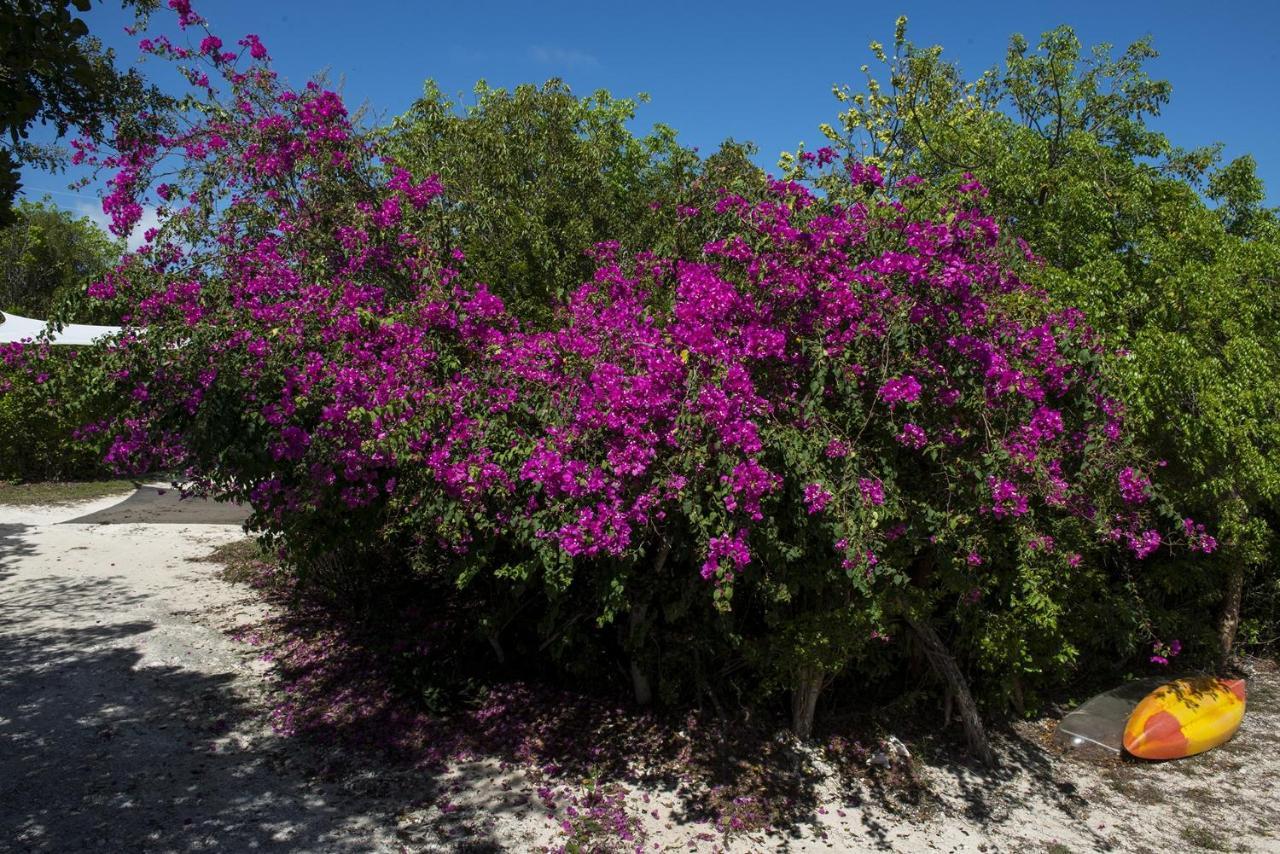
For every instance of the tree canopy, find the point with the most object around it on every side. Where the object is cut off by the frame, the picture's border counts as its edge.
(48, 256)
(1170, 253)
(536, 175)
(54, 72)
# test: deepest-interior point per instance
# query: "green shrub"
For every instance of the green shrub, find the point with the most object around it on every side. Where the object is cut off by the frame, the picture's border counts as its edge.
(39, 432)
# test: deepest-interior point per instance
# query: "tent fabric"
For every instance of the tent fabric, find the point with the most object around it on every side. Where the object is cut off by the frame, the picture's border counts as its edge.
(14, 329)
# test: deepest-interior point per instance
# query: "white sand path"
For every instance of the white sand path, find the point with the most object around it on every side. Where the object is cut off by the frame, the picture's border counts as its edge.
(129, 721)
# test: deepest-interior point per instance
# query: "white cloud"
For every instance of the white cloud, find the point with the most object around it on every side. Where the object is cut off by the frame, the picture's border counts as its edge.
(561, 56)
(93, 210)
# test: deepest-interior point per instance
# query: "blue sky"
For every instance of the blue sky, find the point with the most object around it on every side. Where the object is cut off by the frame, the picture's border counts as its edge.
(749, 70)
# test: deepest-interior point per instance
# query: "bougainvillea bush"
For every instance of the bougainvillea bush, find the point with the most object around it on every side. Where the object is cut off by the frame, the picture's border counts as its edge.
(829, 436)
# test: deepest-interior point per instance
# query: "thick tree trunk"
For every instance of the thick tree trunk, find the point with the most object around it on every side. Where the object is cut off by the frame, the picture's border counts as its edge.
(1019, 702)
(635, 639)
(1230, 621)
(804, 700)
(640, 685)
(637, 629)
(945, 666)
(496, 643)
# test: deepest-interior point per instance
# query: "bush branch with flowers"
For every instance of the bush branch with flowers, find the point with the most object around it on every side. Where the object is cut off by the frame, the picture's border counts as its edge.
(766, 449)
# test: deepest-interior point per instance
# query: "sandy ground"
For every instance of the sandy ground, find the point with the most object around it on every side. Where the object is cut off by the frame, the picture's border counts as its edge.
(130, 720)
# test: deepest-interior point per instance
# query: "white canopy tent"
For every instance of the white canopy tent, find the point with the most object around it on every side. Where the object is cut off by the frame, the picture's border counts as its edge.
(14, 328)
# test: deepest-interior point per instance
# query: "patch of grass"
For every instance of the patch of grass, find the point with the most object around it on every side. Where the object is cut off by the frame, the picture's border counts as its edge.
(57, 492)
(1196, 766)
(242, 561)
(1204, 838)
(1141, 793)
(1201, 796)
(1056, 848)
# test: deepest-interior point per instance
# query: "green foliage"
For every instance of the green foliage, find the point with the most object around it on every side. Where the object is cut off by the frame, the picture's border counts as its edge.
(1171, 256)
(536, 176)
(55, 73)
(38, 426)
(47, 257)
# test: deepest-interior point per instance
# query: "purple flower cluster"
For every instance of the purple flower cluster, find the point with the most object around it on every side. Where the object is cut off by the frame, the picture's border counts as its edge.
(1161, 652)
(900, 390)
(731, 549)
(872, 491)
(1134, 486)
(1006, 500)
(912, 436)
(816, 498)
(1198, 537)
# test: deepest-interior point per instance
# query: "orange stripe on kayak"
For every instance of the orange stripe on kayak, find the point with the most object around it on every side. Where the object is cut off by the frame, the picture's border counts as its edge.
(1236, 687)
(1162, 738)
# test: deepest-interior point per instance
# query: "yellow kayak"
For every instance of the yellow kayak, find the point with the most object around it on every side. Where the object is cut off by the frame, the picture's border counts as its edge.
(1184, 718)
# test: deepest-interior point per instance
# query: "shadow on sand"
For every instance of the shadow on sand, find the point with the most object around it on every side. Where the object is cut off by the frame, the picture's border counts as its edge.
(103, 752)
